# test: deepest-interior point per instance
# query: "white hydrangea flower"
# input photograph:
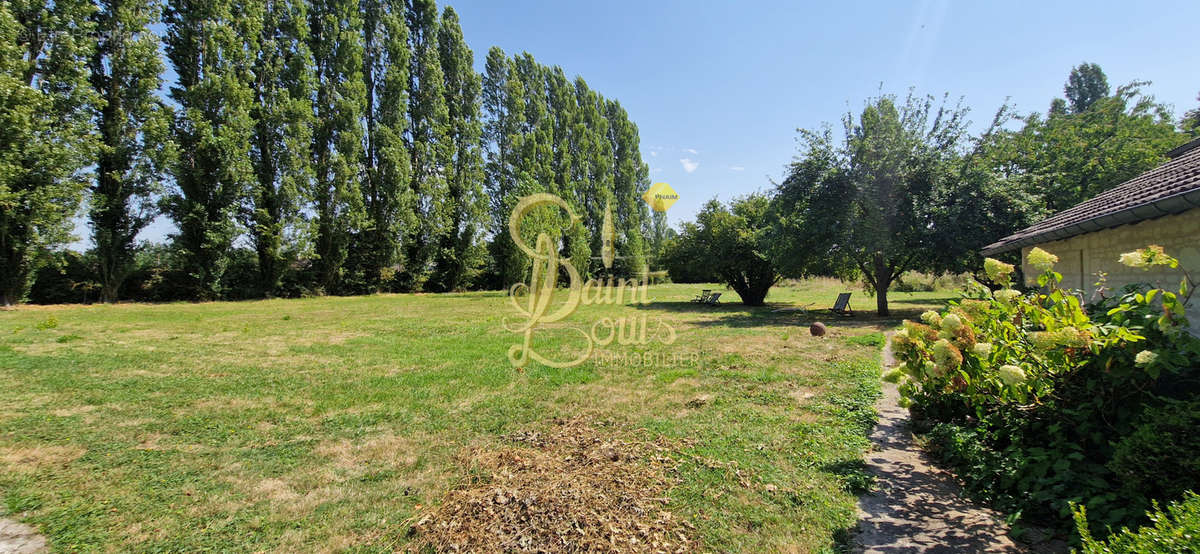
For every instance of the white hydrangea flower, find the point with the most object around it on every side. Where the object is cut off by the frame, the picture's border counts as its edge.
(1012, 375)
(997, 270)
(1041, 259)
(946, 356)
(1132, 259)
(1006, 295)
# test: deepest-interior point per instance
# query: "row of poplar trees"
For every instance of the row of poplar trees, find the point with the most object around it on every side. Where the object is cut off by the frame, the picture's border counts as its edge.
(351, 141)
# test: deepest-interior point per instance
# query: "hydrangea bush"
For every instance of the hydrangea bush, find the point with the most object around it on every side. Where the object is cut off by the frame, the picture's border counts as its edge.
(1039, 400)
(1002, 346)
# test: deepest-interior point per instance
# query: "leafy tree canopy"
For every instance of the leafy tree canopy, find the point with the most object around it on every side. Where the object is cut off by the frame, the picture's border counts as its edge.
(728, 244)
(1191, 120)
(1067, 158)
(869, 207)
(1085, 85)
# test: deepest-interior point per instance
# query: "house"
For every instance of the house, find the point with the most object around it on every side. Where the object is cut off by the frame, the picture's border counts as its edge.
(1161, 206)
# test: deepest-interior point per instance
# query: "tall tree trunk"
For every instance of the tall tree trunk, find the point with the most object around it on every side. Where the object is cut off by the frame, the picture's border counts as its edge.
(883, 280)
(108, 292)
(106, 217)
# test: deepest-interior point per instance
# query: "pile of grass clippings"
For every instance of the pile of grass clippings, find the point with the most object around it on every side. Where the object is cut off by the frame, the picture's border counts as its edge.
(573, 488)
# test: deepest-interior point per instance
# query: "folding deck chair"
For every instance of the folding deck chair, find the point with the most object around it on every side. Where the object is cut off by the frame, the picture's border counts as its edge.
(842, 305)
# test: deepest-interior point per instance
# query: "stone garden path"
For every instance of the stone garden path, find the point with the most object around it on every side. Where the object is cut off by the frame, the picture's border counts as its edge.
(18, 538)
(916, 507)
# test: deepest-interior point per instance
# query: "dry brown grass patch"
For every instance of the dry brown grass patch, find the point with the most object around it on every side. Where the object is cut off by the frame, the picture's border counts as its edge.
(226, 403)
(135, 422)
(161, 442)
(389, 449)
(77, 410)
(574, 488)
(802, 395)
(31, 458)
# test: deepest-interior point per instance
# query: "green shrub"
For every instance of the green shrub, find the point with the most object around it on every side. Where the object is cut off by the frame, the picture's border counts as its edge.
(915, 281)
(1039, 401)
(912, 281)
(979, 466)
(1177, 531)
(1161, 458)
(69, 277)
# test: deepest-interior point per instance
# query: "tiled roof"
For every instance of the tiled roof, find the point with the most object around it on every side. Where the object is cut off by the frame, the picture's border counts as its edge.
(1171, 188)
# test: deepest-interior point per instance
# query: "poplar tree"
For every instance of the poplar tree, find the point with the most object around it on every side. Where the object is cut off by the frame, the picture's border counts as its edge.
(563, 108)
(336, 41)
(387, 195)
(658, 235)
(459, 255)
(45, 135)
(535, 169)
(544, 133)
(428, 144)
(211, 45)
(535, 153)
(283, 118)
(593, 162)
(630, 179)
(125, 74)
(504, 117)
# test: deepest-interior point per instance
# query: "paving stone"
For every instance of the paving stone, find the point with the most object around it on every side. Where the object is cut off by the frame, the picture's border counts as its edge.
(18, 538)
(916, 507)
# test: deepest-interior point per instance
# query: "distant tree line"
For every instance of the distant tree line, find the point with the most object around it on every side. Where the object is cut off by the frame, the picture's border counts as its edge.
(304, 147)
(904, 186)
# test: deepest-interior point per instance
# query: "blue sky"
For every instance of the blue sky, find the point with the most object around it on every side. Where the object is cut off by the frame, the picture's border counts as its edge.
(717, 89)
(724, 85)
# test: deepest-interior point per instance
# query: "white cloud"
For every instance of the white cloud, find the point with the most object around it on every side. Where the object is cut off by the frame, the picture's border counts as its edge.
(736, 168)
(653, 153)
(689, 165)
(690, 150)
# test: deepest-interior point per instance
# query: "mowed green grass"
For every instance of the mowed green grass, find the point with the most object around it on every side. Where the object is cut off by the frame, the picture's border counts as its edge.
(325, 423)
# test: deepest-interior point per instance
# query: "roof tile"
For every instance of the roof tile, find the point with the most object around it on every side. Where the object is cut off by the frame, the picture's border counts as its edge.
(1138, 196)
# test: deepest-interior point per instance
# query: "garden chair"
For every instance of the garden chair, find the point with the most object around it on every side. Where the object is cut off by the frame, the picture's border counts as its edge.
(704, 294)
(714, 300)
(842, 305)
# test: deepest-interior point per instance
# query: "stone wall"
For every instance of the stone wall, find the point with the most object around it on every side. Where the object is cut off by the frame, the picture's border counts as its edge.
(1082, 257)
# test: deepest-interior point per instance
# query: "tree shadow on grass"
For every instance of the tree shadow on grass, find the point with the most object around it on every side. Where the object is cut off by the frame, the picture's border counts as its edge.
(739, 315)
(856, 478)
(921, 301)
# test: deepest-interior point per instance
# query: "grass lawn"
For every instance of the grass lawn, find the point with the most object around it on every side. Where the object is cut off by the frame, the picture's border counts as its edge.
(329, 423)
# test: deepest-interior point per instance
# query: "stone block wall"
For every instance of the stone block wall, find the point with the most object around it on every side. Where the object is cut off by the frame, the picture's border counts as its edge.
(1081, 258)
